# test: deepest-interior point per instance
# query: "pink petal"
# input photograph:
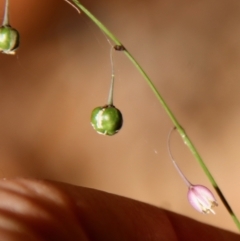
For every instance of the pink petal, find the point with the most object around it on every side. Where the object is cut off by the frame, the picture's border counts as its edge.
(201, 198)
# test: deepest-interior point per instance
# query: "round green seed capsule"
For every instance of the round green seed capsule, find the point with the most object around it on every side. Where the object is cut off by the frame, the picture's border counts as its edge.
(9, 39)
(106, 120)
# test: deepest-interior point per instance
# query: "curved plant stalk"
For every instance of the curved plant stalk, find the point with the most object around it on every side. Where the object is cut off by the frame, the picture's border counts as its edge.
(181, 131)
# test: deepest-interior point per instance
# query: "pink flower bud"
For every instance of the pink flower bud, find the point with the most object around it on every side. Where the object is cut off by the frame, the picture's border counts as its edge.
(201, 199)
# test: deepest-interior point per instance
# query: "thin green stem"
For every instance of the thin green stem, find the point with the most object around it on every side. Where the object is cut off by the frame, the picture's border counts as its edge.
(6, 14)
(181, 131)
(110, 95)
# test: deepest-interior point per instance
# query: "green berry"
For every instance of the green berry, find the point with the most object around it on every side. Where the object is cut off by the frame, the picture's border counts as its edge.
(9, 39)
(106, 120)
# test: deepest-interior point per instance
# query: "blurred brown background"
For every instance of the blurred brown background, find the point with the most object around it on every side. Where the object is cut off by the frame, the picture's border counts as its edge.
(191, 50)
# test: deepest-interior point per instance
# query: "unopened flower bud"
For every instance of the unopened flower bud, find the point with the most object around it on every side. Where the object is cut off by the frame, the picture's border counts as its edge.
(202, 199)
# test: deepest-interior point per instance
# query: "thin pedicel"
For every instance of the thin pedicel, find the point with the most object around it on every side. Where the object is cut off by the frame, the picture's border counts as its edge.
(71, 4)
(200, 197)
(107, 120)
